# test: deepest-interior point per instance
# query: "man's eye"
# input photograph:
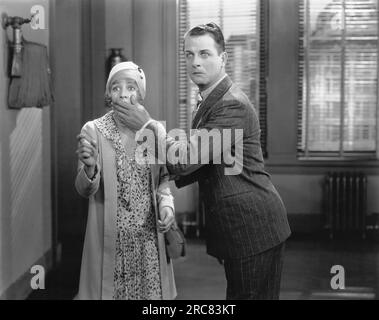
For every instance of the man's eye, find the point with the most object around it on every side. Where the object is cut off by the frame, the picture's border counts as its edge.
(189, 55)
(131, 88)
(205, 54)
(115, 89)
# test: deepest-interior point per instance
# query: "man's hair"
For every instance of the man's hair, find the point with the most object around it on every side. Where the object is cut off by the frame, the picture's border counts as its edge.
(210, 28)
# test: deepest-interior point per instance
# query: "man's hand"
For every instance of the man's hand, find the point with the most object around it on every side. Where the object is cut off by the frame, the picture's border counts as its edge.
(131, 113)
(166, 219)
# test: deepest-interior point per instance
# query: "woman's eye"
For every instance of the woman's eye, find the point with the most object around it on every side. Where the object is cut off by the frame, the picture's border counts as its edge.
(205, 55)
(189, 55)
(131, 88)
(115, 89)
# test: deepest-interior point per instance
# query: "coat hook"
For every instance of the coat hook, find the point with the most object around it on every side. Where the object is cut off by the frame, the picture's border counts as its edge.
(14, 22)
(4, 19)
(16, 44)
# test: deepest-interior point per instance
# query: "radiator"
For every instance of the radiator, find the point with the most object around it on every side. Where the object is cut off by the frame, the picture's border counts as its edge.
(346, 203)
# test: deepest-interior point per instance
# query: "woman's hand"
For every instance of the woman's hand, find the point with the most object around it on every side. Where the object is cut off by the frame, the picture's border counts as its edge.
(167, 218)
(87, 153)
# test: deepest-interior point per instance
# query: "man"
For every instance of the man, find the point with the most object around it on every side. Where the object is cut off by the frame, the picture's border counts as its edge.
(246, 221)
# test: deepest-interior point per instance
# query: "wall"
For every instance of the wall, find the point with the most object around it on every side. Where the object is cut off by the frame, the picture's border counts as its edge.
(78, 66)
(66, 69)
(119, 26)
(25, 200)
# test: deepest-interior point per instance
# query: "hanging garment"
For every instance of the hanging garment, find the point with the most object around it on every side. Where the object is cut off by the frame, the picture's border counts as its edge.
(33, 88)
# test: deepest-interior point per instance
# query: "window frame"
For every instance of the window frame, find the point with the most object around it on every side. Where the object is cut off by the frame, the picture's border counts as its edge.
(304, 154)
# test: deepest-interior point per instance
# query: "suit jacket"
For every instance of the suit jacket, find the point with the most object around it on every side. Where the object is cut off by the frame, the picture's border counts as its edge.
(244, 214)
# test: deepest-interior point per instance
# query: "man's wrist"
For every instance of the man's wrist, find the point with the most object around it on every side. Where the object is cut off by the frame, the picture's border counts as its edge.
(151, 125)
(148, 125)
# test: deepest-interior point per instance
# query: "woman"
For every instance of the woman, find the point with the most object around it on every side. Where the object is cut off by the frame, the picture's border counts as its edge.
(130, 205)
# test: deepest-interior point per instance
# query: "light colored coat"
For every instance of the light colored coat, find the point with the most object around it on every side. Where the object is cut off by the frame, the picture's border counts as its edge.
(99, 251)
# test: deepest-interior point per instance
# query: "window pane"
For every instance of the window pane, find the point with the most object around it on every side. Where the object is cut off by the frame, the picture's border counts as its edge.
(361, 75)
(324, 96)
(361, 99)
(340, 52)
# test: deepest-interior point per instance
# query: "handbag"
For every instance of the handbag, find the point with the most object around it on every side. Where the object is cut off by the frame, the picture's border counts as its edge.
(175, 242)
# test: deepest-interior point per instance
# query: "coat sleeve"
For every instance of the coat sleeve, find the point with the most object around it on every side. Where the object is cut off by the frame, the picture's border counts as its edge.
(227, 123)
(182, 181)
(83, 184)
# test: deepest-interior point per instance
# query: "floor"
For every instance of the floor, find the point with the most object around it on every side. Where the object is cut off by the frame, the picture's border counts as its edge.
(306, 272)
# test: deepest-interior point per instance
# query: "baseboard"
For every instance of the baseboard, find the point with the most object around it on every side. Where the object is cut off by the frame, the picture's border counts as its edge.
(315, 225)
(21, 288)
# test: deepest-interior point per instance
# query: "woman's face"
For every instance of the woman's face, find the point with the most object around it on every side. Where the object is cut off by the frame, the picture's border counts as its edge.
(122, 89)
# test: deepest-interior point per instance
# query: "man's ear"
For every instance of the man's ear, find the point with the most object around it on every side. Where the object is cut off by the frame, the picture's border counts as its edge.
(224, 58)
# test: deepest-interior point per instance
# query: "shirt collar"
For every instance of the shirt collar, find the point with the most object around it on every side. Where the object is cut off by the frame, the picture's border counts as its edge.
(204, 94)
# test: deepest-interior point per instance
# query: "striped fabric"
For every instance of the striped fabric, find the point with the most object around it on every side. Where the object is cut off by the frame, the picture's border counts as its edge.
(255, 277)
(244, 214)
(245, 218)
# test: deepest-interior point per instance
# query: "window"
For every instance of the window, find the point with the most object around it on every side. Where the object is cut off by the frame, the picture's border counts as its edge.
(239, 21)
(338, 74)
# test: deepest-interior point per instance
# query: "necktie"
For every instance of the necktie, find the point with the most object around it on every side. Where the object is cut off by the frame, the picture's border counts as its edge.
(199, 100)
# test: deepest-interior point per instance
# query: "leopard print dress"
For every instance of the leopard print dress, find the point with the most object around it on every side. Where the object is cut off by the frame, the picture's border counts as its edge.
(136, 274)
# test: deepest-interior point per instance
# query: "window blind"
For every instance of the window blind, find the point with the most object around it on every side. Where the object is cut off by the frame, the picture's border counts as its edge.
(338, 72)
(239, 20)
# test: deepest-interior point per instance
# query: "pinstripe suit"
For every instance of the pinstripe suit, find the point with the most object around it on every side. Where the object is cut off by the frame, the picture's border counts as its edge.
(246, 221)
(244, 213)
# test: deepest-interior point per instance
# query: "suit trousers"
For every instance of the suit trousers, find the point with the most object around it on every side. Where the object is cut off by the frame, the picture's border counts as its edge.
(255, 277)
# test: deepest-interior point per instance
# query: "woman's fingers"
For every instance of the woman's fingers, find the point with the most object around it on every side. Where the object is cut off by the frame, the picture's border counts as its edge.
(86, 144)
(85, 155)
(86, 149)
(82, 136)
(94, 144)
(163, 228)
(166, 219)
(86, 140)
(86, 152)
(167, 215)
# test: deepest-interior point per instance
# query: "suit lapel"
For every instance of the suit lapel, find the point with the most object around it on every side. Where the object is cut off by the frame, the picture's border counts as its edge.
(209, 102)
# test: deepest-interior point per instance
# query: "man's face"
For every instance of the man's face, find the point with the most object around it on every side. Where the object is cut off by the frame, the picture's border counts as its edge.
(205, 65)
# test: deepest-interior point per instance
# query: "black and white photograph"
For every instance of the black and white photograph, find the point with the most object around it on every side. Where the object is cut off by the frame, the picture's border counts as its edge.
(202, 152)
